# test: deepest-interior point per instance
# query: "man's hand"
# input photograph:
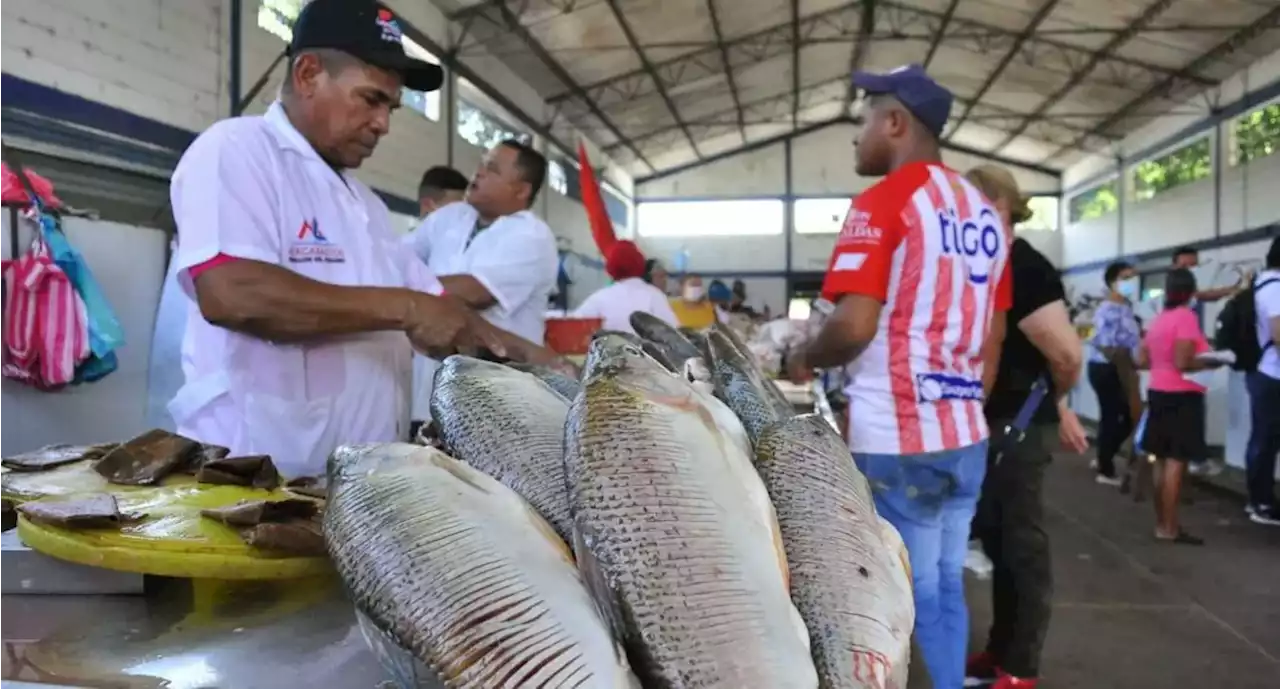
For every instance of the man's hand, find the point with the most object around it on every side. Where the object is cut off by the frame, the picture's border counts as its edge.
(439, 327)
(797, 369)
(1070, 430)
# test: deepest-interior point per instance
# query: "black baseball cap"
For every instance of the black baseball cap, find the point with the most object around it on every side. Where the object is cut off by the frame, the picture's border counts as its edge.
(365, 30)
(915, 89)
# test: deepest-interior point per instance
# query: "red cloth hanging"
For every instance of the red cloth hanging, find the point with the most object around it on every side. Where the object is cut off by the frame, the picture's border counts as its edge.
(601, 226)
(12, 192)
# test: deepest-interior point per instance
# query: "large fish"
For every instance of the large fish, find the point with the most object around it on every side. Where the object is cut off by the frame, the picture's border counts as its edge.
(460, 583)
(850, 577)
(675, 347)
(508, 424)
(772, 388)
(653, 349)
(562, 383)
(739, 382)
(667, 540)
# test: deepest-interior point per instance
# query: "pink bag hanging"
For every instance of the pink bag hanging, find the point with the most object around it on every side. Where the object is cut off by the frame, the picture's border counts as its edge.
(45, 322)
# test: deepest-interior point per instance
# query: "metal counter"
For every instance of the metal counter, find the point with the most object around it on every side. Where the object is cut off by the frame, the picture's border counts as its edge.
(189, 635)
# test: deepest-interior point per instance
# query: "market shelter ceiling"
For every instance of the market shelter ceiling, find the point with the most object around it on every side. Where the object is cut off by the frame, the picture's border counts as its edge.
(665, 83)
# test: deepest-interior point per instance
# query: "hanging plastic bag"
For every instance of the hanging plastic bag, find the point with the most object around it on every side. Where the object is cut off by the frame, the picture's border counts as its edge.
(105, 332)
(45, 321)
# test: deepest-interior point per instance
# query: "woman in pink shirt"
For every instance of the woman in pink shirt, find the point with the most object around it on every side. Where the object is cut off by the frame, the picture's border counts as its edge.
(1175, 402)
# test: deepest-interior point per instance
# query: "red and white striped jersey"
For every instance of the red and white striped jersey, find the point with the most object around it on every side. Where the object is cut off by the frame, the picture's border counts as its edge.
(929, 245)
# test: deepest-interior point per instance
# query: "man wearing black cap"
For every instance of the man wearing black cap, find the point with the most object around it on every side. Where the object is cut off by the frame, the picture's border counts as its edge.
(303, 295)
(920, 277)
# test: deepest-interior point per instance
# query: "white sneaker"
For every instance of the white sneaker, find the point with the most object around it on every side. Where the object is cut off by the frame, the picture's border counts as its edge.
(1107, 480)
(1264, 516)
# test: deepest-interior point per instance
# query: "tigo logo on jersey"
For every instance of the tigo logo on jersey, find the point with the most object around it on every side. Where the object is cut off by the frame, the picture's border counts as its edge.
(312, 246)
(977, 243)
(935, 387)
(391, 32)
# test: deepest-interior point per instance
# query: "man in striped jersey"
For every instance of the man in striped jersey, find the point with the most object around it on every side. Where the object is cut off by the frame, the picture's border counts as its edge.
(919, 277)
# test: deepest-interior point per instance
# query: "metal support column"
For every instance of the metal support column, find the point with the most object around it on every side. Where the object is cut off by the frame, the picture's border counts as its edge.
(450, 104)
(1219, 153)
(1122, 202)
(789, 216)
(237, 47)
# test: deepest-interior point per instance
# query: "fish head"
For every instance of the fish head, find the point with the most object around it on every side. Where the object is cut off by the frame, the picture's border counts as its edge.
(618, 358)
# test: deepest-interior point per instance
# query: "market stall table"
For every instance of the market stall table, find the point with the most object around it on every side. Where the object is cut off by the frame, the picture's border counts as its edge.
(186, 634)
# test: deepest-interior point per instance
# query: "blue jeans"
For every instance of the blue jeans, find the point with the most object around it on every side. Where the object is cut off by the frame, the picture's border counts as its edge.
(931, 499)
(1264, 438)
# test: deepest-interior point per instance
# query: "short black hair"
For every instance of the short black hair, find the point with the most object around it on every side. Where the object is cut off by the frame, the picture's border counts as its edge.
(1179, 287)
(441, 179)
(531, 164)
(1273, 254)
(1113, 271)
(1185, 251)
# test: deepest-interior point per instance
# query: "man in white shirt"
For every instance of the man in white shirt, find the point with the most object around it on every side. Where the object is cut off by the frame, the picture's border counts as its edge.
(492, 253)
(1264, 395)
(440, 186)
(629, 292)
(300, 296)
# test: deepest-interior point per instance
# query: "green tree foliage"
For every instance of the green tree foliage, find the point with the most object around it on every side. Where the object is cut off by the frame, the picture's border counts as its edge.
(1187, 164)
(1257, 134)
(1094, 203)
(484, 130)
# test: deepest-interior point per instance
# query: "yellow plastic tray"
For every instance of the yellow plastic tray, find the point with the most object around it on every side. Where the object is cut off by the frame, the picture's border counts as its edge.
(70, 479)
(173, 539)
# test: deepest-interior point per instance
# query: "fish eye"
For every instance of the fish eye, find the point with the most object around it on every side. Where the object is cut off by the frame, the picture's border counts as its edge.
(632, 350)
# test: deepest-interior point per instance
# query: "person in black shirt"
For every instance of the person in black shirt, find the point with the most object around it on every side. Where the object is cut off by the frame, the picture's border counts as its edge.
(1040, 344)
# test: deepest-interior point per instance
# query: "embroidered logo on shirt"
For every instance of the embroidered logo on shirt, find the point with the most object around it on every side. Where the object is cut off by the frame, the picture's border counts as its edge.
(935, 387)
(312, 246)
(391, 32)
(857, 229)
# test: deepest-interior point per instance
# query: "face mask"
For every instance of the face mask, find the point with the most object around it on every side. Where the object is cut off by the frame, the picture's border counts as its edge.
(692, 293)
(1128, 288)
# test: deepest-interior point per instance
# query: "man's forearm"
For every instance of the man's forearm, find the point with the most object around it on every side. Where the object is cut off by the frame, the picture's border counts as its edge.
(828, 351)
(279, 305)
(1216, 293)
(468, 289)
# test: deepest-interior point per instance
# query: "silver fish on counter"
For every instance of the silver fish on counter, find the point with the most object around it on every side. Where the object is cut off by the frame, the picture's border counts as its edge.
(508, 424)
(460, 583)
(849, 575)
(676, 347)
(567, 386)
(665, 538)
(739, 382)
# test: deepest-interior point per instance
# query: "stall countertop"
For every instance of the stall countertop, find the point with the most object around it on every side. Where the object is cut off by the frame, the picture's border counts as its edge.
(189, 635)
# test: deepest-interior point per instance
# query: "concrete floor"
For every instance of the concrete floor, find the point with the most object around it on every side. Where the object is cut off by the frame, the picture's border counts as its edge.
(1131, 613)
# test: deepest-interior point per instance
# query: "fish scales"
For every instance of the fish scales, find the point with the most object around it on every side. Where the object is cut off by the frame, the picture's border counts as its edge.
(462, 575)
(741, 385)
(848, 581)
(692, 586)
(508, 424)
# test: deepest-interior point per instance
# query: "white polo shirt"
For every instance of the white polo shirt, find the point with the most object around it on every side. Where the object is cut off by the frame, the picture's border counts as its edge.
(253, 188)
(615, 304)
(1266, 304)
(514, 258)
